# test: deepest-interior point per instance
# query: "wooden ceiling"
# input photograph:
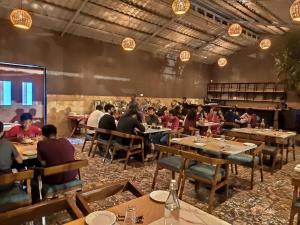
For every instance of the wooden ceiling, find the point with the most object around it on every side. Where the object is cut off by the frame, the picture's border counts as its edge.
(203, 30)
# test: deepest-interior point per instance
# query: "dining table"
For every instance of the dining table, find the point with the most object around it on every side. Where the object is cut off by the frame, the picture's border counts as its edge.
(76, 120)
(217, 145)
(153, 213)
(150, 130)
(27, 151)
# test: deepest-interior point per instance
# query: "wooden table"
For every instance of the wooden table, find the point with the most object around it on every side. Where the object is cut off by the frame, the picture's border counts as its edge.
(213, 144)
(266, 132)
(152, 130)
(23, 148)
(76, 119)
(153, 213)
(207, 124)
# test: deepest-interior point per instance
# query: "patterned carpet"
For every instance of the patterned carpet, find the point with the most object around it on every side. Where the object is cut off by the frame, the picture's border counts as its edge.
(268, 202)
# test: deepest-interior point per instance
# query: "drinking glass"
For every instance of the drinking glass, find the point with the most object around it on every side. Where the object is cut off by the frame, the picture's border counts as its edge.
(130, 215)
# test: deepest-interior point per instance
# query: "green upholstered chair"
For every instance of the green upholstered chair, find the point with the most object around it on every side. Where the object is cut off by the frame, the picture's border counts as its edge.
(15, 197)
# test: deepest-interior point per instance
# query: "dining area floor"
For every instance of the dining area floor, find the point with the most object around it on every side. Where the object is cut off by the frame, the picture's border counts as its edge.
(268, 203)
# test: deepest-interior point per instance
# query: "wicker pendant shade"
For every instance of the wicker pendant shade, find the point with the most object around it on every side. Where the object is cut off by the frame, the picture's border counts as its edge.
(21, 19)
(295, 11)
(180, 7)
(185, 56)
(235, 30)
(265, 44)
(222, 62)
(128, 44)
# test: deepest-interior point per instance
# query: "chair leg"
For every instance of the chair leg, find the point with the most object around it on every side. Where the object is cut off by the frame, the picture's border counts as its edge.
(294, 153)
(236, 169)
(252, 178)
(126, 160)
(143, 156)
(155, 176)
(83, 145)
(292, 216)
(182, 187)
(106, 153)
(94, 153)
(231, 166)
(287, 155)
(226, 190)
(273, 164)
(211, 199)
(173, 175)
(91, 149)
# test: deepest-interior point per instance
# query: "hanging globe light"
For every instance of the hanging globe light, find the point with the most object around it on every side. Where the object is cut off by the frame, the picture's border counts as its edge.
(180, 7)
(185, 56)
(235, 30)
(222, 62)
(295, 11)
(265, 44)
(21, 19)
(128, 44)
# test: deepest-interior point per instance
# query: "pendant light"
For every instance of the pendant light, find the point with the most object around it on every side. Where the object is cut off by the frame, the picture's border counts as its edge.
(20, 18)
(235, 30)
(180, 7)
(265, 44)
(295, 11)
(185, 56)
(222, 62)
(128, 43)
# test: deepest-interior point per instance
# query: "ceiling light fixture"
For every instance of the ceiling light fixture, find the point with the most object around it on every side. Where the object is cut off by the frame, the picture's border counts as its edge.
(20, 18)
(128, 44)
(180, 7)
(185, 56)
(235, 30)
(265, 44)
(295, 11)
(222, 62)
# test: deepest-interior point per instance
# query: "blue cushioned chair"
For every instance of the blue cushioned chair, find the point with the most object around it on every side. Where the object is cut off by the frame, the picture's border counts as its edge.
(88, 136)
(50, 191)
(15, 197)
(252, 160)
(211, 171)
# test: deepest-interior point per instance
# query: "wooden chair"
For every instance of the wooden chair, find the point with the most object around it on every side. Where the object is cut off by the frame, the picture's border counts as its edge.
(88, 137)
(170, 159)
(39, 210)
(295, 207)
(135, 146)
(210, 171)
(290, 147)
(252, 160)
(15, 197)
(100, 142)
(177, 134)
(83, 198)
(50, 191)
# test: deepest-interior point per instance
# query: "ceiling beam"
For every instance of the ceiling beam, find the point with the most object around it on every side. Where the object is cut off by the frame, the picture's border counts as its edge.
(74, 17)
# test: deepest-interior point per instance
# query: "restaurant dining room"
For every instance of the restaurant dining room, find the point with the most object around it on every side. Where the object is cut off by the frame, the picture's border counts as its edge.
(159, 112)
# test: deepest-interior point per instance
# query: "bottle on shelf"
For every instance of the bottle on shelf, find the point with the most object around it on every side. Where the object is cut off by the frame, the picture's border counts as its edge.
(172, 206)
(262, 124)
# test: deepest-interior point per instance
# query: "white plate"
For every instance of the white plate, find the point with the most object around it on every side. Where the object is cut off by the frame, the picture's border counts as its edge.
(176, 139)
(101, 217)
(218, 139)
(29, 152)
(159, 196)
(290, 132)
(249, 144)
(200, 144)
(27, 141)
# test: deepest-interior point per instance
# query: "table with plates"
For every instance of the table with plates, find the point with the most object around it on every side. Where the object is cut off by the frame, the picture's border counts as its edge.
(28, 151)
(218, 145)
(153, 213)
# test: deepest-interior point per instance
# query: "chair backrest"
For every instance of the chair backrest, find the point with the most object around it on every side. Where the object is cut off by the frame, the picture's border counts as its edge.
(77, 164)
(12, 177)
(103, 131)
(167, 149)
(201, 158)
(193, 130)
(125, 135)
(260, 144)
(102, 192)
(45, 208)
(86, 127)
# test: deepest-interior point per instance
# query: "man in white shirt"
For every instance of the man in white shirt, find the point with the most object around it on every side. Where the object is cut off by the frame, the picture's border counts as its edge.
(94, 118)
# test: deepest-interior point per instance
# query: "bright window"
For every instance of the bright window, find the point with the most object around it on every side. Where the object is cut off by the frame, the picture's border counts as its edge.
(5, 92)
(27, 93)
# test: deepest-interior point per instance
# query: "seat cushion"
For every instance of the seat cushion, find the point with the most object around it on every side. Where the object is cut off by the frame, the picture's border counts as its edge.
(269, 148)
(205, 171)
(244, 159)
(173, 162)
(13, 198)
(50, 189)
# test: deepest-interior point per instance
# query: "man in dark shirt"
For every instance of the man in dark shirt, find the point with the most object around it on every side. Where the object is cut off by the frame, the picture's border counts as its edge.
(133, 103)
(53, 151)
(107, 121)
(151, 118)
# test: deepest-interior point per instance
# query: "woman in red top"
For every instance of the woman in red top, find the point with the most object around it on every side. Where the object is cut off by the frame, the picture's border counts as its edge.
(25, 130)
(190, 121)
(215, 118)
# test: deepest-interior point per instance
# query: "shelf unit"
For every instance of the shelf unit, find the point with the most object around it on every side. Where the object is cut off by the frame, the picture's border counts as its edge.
(254, 92)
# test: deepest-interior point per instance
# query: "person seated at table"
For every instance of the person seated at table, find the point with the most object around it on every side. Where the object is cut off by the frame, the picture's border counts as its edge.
(201, 114)
(172, 123)
(107, 121)
(247, 118)
(151, 117)
(52, 151)
(94, 118)
(215, 118)
(178, 111)
(190, 121)
(161, 111)
(8, 153)
(25, 130)
(231, 115)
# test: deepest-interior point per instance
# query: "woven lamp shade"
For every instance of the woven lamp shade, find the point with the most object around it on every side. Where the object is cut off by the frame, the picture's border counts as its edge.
(21, 19)
(265, 44)
(222, 62)
(185, 56)
(128, 44)
(295, 11)
(235, 30)
(180, 7)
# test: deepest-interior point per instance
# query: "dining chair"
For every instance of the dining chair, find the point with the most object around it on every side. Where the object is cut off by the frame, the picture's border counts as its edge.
(252, 160)
(84, 198)
(101, 142)
(169, 158)
(89, 137)
(295, 207)
(193, 131)
(28, 214)
(211, 171)
(51, 191)
(15, 197)
(135, 146)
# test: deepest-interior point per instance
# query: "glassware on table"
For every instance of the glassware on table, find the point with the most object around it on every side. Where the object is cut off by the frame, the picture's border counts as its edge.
(249, 125)
(130, 216)
(172, 206)
(197, 136)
